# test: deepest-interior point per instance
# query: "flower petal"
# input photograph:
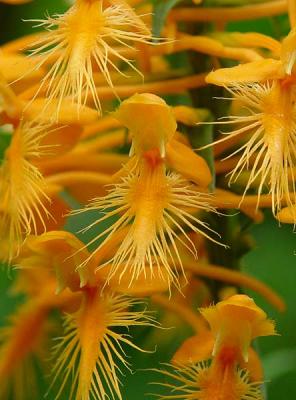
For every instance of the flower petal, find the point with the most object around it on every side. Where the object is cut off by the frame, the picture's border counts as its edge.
(190, 165)
(287, 215)
(68, 115)
(194, 349)
(257, 71)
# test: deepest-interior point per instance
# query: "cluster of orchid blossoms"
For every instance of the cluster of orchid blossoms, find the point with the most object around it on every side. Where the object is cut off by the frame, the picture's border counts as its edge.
(157, 200)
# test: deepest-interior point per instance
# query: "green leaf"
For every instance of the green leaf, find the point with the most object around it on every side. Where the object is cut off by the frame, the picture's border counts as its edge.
(279, 363)
(17, 17)
(161, 8)
(5, 139)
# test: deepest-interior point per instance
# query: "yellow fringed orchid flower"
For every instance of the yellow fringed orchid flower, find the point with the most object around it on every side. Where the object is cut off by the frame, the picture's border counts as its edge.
(62, 252)
(84, 38)
(91, 348)
(22, 187)
(266, 91)
(27, 196)
(85, 169)
(27, 200)
(233, 324)
(148, 200)
(149, 206)
(26, 337)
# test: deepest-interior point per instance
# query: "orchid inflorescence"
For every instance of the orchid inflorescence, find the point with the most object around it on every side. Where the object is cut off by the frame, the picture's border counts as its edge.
(98, 120)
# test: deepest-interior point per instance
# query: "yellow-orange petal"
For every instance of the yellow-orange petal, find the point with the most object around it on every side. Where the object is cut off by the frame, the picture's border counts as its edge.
(150, 120)
(287, 215)
(195, 349)
(190, 116)
(288, 54)
(76, 160)
(102, 125)
(249, 39)
(91, 354)
(66, 253)
(254, 366)
(236, 278)
(257, 71)
(234, 322)
(60, 140)
(190, 165)
(58, 210)
(22, 341)
(11, 107)
(242, 307)
(18, 66)
(46, 112)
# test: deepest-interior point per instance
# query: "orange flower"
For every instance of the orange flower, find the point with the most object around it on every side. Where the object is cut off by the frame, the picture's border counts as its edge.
(233, 322)
(86, 36)
(22, 189)
(27, 198)
(26, 337)
(91, 348)
(150, 201)
(266, 91)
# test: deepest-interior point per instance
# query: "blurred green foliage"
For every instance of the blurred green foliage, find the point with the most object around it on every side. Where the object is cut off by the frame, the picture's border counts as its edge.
(161, 8)
(272, 259)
